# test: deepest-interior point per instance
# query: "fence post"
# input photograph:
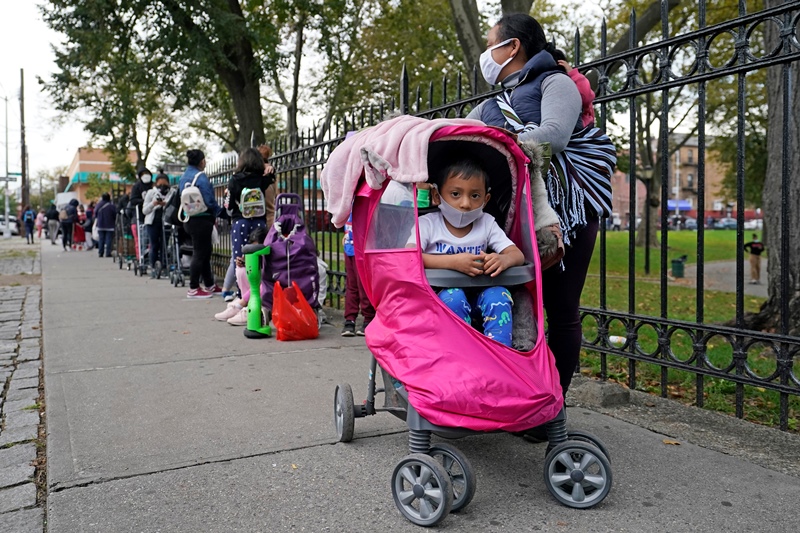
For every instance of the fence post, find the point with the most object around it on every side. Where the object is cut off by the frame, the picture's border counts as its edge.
(404, 106)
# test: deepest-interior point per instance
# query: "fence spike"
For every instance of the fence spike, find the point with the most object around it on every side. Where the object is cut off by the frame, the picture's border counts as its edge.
(430, 96)
(404, 90)
(577, 59)
(458, 86)
(444, 89)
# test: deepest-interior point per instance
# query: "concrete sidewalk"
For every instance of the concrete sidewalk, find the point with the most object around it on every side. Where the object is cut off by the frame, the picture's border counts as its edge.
(161, 419)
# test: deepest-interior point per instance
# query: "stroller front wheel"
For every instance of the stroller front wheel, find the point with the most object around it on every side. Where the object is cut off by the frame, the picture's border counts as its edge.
(344, 412)
(422, 490)
(461, 473)
(577, 474)
(585, 436)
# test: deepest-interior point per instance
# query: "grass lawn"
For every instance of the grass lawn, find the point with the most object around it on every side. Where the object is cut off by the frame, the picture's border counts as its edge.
(719, 245)
(761, 405)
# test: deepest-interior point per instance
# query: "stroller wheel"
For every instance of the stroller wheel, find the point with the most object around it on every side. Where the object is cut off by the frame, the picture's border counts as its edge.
(577, 474)
(461, 473)
(344, 412)
(585, 436)
(422, 490)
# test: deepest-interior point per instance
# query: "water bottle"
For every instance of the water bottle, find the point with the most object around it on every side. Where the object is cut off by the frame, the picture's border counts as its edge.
(423, 198)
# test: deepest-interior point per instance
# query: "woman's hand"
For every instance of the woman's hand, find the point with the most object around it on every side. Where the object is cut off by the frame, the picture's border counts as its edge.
(268, 169)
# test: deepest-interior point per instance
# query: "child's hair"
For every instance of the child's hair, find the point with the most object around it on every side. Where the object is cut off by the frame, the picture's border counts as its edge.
(258, 235)
(464, 169)
(559, 55)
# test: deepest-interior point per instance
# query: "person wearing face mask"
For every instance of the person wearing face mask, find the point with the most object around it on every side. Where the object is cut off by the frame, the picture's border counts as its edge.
(138, 191)
(153, 210)
(542, 104)
(461, 237)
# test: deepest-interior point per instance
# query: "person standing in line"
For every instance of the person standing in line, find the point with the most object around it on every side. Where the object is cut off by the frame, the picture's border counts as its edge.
(68, 218)
(29, 219)
(153, 209)
(39, 223)
(52, 222)
(355, 296)
(247, 207)
(755, 248)
(200, 227)
(272, 190)
(105, 216)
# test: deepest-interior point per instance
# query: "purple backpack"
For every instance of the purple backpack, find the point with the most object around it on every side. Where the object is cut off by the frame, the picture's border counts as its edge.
(293, 255)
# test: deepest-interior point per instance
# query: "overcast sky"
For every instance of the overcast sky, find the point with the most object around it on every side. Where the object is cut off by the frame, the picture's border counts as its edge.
(25, 42)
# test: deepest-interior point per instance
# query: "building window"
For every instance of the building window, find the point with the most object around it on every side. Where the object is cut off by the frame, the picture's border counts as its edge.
(690, 156)
(690, 180)
(718, 205)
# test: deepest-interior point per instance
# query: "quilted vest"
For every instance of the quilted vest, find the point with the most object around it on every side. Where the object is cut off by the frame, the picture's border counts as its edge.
(526, 97)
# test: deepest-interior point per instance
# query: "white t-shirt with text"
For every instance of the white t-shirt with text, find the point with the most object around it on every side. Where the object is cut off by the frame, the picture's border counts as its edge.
(435, 238)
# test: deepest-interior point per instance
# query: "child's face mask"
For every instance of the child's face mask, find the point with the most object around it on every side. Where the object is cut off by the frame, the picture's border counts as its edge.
(458, 218)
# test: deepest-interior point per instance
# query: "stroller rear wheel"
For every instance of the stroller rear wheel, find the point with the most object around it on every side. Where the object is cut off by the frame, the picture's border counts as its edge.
(422, 489)
(577, 474)
(344, 412)
(461, 473)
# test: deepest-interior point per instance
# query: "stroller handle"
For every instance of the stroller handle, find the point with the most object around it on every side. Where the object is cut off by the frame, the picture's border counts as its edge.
(253, 248)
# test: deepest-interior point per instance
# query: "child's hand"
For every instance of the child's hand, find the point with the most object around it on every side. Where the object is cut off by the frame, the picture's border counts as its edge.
(493, 263)
(469, 264)
(240, 262)
(565, 65)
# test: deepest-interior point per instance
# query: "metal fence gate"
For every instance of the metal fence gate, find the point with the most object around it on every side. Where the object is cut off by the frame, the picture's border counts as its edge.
(718, 357)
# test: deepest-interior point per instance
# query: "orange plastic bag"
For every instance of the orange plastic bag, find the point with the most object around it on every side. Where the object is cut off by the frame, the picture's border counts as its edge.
(292, 315)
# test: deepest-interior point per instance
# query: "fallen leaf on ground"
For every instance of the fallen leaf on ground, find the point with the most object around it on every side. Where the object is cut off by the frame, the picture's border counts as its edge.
(294, 466)
(649, 404)
(256, 390)
(671, 442)
(185, 332)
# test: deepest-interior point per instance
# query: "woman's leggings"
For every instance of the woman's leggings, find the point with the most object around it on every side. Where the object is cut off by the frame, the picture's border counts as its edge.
(156, 244)
(561, 292)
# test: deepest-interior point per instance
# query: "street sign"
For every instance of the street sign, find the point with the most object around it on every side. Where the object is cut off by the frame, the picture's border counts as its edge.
(15, 173)
(8, 178)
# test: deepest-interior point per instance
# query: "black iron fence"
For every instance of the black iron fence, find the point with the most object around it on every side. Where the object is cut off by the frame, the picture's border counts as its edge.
(658, 346)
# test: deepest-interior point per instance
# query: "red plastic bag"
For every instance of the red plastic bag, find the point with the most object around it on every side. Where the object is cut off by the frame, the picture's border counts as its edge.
(292, 315)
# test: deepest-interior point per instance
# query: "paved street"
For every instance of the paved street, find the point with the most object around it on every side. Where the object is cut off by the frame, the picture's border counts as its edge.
(161, 419)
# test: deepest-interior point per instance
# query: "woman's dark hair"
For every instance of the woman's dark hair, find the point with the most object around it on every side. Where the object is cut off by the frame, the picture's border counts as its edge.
(250, 161)
(195, 157)
(106, 197)
(529, 32)
(162, 176)
(258, 235)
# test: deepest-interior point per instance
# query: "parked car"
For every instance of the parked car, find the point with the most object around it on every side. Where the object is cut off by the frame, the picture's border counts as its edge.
(14, 224)
(726, 223)
(690, 223)
(756, 223)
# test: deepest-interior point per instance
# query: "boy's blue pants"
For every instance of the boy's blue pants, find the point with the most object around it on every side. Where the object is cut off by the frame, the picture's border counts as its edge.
(493, 306)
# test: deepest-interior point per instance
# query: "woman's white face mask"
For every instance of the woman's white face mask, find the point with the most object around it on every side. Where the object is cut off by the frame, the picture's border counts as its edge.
(491, 68)
(147, 178)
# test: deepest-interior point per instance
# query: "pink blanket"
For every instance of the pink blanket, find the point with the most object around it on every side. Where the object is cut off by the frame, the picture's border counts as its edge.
(378, 152)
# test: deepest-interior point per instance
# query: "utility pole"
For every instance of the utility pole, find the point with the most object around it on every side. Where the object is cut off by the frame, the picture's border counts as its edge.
(7, 229)
(25, 191)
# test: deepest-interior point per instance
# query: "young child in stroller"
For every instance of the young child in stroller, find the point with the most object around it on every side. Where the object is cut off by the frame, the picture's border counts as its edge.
(458, 237)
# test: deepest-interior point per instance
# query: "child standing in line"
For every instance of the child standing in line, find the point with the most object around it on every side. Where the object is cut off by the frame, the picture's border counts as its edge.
(355, 297)
(462, 237)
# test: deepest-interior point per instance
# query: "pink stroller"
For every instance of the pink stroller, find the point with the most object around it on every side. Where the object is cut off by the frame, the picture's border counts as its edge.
(439, 374)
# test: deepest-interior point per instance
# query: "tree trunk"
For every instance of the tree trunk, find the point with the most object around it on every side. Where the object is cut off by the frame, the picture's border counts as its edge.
(516, 6)
(468, 29)
(771, 315)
